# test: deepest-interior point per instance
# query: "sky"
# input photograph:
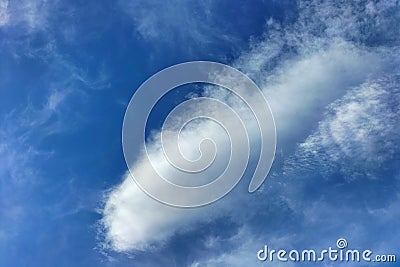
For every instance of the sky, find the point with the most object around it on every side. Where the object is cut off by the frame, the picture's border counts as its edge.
(330, 71)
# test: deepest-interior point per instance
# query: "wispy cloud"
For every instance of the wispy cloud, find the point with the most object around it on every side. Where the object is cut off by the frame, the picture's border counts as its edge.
(43, 109)
(208, 28)
(4, 16)
(359, 134)
(19, 176)
(26, 15)
(175, 21)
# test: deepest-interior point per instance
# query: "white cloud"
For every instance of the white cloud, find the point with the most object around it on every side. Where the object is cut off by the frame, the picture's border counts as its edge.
(134, 220)
(322, 67)
(56, 98)
(21, 132)
(311, 81)
(17, 150)
(18, 175)
(360, 128)
(4, 16)
(29, 20)
(31, 15)
(176, 21)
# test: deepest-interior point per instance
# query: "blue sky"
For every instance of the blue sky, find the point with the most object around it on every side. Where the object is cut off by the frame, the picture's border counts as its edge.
(330, 71)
